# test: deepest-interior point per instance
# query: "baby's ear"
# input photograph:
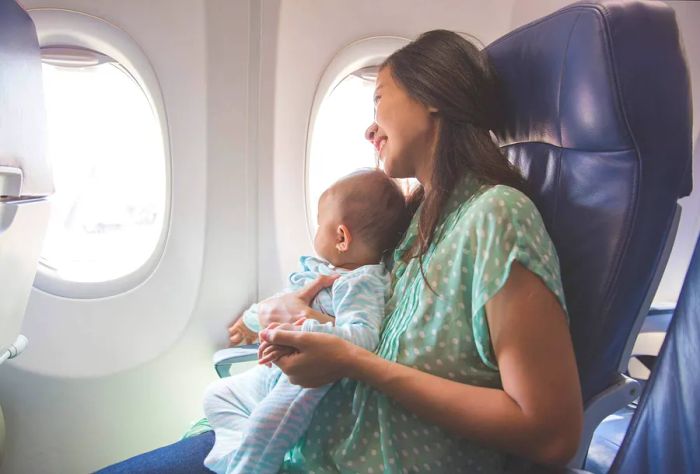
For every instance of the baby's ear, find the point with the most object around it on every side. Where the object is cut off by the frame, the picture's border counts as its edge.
(342, 238)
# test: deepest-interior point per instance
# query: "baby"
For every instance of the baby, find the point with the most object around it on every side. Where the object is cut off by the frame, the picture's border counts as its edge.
(259, 415)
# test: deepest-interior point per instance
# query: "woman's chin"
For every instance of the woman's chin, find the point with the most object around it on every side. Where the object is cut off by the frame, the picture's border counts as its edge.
(389, 167)
(395, 172)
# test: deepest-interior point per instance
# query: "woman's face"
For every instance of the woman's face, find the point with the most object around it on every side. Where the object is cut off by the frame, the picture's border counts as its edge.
(404, 131)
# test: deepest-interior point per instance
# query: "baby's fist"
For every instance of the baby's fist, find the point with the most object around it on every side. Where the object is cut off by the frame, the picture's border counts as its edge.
(240, 334)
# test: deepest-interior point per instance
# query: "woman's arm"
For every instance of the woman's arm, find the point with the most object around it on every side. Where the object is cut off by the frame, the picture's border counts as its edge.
(537, 415)
(290, 307)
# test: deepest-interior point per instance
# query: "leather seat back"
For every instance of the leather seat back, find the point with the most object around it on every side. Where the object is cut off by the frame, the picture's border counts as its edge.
(598, 118)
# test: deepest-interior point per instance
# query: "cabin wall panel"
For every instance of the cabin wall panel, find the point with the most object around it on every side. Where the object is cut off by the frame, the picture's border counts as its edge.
(77, 329)
(200, 51)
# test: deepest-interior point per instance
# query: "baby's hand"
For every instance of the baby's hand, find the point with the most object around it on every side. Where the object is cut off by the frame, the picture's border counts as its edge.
(268, 353)
(273, 353)
(239, 334)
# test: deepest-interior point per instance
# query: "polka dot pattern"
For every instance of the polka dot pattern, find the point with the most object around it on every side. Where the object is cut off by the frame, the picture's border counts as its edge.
(483, 231)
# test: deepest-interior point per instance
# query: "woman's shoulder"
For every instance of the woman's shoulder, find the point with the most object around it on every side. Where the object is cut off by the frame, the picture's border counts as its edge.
(500, 203)
(499, 198)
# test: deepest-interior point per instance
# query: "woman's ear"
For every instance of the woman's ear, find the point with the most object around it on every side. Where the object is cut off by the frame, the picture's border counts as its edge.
(342, 238)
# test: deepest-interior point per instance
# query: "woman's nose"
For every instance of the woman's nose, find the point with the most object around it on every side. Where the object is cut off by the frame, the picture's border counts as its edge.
(371, 131)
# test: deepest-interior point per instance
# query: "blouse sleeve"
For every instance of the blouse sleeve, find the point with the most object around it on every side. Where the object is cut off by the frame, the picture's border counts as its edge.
(505, 226)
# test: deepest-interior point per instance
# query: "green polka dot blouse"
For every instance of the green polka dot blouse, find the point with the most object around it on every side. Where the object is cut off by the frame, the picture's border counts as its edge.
(358, 429)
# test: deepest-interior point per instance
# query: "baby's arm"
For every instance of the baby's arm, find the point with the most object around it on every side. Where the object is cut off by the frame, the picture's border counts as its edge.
(358, 303)
(245, 330)
(240, 333)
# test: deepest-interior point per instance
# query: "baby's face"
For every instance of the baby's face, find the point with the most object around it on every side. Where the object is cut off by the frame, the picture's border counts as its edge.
(327, 231)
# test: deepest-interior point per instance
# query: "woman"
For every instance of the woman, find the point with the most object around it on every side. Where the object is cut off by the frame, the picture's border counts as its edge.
(475, 361)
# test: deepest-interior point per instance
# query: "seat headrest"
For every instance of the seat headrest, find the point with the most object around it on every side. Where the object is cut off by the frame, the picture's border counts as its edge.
(22, 112)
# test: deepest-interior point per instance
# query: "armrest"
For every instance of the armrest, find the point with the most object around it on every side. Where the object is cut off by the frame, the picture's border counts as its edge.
(648, 343)
(225, 358)
(618, 395)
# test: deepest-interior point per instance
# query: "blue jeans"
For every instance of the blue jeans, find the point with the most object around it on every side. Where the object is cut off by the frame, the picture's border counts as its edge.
(184, 457)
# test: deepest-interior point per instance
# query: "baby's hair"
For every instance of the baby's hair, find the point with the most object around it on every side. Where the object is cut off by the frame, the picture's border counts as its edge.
(373, 207)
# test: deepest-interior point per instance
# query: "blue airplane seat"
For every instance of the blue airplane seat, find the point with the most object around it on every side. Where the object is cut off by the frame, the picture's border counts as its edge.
(607, 440)
(597, 115)
(608, 436)
(664, 434)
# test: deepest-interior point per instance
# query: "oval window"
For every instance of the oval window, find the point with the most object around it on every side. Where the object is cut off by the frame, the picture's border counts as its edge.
(105, 145)
(338, 146)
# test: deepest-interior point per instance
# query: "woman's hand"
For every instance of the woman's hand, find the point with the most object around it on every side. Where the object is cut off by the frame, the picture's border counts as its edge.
(293, 306)
(268, 353)
(317, 359)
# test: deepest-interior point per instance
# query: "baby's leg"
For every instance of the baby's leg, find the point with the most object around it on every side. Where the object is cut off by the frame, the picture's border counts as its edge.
(228, 404)
(275, 425)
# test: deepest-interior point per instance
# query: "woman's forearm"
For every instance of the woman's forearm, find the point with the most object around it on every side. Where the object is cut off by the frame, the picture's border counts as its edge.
(485, 415)
(266, 318)
(290, 307)
(318, 316)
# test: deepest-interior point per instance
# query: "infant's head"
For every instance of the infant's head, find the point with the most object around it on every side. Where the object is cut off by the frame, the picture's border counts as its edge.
(360, 217)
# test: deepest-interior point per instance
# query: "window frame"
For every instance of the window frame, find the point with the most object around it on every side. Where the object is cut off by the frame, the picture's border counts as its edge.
(363, 53)
(76, 30)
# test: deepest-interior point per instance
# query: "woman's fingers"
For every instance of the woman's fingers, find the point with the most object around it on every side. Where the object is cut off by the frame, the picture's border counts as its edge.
(310, 291)
(274, 354)
(262, 347)
(289, 364)
(267, 357)
(281, 337)
(318, 358)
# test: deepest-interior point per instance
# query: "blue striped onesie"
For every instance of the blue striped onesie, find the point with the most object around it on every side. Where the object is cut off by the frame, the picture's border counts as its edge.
(259, 415)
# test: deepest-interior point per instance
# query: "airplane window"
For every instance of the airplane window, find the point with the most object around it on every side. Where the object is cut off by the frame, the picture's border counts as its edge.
(338, 146)
(107, 154)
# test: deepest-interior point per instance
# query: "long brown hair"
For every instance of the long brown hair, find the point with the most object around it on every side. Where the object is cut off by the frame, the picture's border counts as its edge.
(443, 70)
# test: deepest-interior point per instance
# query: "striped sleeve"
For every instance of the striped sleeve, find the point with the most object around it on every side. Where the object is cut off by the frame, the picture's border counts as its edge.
(358, 303)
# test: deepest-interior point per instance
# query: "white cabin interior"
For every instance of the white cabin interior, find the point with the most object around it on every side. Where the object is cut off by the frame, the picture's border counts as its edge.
(116, 369)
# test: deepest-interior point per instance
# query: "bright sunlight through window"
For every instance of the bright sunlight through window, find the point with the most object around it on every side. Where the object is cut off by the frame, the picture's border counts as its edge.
(106, 150)
(338, 146)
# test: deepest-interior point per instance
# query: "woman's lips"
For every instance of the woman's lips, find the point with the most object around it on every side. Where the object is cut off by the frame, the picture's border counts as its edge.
(379, 144)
